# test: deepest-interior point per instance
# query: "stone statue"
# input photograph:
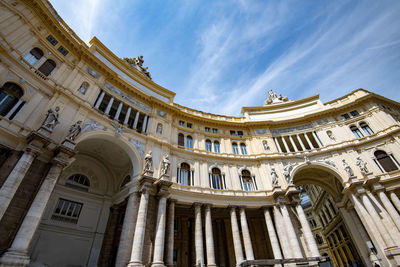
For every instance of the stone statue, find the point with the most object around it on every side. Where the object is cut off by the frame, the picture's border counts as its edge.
(51, 119)
(74, 130)
(273, 98)
(165, 165)
(362, 165)
(286, 172)
(331, 136)
(347, 168)
(307, 160)
(137, 63)
(159, 128)
(266, 146)
(118, 130)
(274, 177)
(148, 162)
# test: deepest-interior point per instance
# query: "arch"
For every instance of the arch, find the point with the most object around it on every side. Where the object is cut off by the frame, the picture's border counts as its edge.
(208, 145)
(235, 148)
(189, 141)
(34, 55)
(185, 174)
(357, 133)
(243, 148)
(385, 161)
(10, 94)
(134, 156)
(78, 181)
(365, 127)
(217, 147)
(126, 180)
(181, 139)
(332, 184)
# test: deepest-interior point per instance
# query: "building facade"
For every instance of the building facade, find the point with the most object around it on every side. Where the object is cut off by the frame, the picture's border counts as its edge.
(99, 167)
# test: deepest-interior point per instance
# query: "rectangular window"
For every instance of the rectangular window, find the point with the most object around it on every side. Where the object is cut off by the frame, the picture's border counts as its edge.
(189, 125)
(181, 123)
(52, 40)
(62, 50)
(233, 132)
(215, 130)
(354, 113)
(207, 129)
(67, 211)
(240, 133)
(345, 116)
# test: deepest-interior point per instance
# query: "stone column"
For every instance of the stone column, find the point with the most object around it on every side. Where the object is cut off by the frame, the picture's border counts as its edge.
(277, 145)
(293, 143)
(144, 124)
(17, 254)
(237, 243)
(198, 234)
(272, 235)
(312, 245)
(13, 181)
(99, 100)
(389, 208)
(317, 139)
(309, 141)
(285, 144)
(128, 114)
(395, 200)
(170, 237)
(140, 229)
(209, 238)
(301, 142)
(118, 111)
(108, 108)
(280, 228)
(374, 214)
(221, 243)
(246, 235)
(135, 122)
(128, 227)
(158, 256)
(294, 243)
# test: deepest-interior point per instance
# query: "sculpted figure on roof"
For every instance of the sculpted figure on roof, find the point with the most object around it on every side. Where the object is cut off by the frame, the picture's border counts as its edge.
(137, 63)
(273, 98)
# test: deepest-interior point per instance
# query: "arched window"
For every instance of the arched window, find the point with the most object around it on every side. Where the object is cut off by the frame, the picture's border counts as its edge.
(248, 181)
(83, 88)
(10, 100)
(47, 67)
(366, 128)
(189, 141)
(33, 56)
(181, 139)
(126, 180)
(385, 161)
(356, 131)
(185, 175)
(78, 181)
(243, 148)
(235, 149)
(217, 180)
(216, 147)
(208, 146)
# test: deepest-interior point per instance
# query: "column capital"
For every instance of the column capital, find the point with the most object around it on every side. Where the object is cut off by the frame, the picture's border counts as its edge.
(207, 205)
(197, 204)
(377, 187)
(31, 149)
(172, 200)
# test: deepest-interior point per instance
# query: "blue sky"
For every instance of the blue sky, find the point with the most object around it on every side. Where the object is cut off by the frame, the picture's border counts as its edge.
(218, 56)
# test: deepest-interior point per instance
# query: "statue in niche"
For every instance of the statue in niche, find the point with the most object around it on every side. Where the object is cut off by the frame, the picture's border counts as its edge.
(265, 145)
(165, 165)
(159, 128)
(148, 162)
(274, 98)
(51, 119)
(331, 136)
(347, 168)
(274, 177)
(74, 130)
(286, 172)
(362, 165)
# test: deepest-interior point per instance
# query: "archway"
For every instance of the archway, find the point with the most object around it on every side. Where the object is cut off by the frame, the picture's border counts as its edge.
(322, 199)
(87, 206)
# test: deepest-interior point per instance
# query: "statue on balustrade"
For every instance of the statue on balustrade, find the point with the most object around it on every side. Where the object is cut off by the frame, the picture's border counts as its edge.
(165, 165)
(273, 98)
(148, 162)
(74, 130)
(347, 168)
(274, 177)
(286, 172)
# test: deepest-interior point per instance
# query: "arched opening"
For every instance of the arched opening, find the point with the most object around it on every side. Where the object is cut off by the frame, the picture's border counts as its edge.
(10, 95)
(47, 67)
(321, 189)
(83, 216)
(33, 56)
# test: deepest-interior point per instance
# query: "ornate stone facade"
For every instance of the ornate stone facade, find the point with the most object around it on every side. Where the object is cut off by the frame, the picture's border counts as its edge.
(78, 188)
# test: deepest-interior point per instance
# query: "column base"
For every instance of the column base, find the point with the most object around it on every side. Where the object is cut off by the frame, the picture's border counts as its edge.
(158, 264)
(135, 264)
(211, 265)
(14, 258)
